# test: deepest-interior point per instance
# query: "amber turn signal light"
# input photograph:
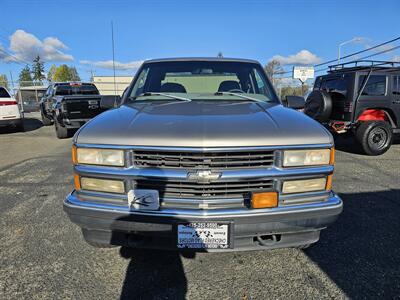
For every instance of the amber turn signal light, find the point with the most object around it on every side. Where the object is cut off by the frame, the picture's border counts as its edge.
(329, 183)
(264, 200)
(74, 155)
(77, 182)
(332, 158)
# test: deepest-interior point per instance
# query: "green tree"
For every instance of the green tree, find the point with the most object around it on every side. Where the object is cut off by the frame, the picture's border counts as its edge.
(25, 77)
(38, 70)
(3, 81)
(65, 73)
(51, 72)
(62, 74)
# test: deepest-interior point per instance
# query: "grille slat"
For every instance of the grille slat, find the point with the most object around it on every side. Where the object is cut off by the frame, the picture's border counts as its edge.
(179, 189)
(203, 160)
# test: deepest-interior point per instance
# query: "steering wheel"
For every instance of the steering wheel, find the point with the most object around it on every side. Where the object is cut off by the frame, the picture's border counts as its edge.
(236, 91)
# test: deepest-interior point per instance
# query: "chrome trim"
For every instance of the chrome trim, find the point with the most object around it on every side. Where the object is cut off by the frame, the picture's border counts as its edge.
(333, 202)
(205, 149)
(274, 172)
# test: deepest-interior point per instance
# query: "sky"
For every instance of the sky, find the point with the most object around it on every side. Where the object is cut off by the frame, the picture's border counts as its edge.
(78, 33)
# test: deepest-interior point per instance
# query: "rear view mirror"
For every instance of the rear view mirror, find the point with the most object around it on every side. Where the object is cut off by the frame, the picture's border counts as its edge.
(110, 101)
(295, 102)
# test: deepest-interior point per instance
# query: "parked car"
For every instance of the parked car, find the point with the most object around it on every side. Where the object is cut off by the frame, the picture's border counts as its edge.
(69, 105)
(361, 98)
(10, 114)
(202, 155)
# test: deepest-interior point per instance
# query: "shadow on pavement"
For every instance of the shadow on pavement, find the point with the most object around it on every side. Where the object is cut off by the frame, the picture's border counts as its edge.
(153, 274)
(30, 124)
(361, 252)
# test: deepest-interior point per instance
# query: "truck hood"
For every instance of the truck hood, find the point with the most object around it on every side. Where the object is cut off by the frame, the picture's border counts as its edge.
(203, 124)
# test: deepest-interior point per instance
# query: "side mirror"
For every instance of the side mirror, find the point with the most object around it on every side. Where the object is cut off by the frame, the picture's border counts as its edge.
(110, 101)
(295, 102)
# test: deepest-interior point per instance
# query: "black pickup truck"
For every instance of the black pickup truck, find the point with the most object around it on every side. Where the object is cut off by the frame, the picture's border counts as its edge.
(69, 106)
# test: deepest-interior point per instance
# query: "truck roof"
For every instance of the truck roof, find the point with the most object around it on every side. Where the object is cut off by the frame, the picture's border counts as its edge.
(215, 59)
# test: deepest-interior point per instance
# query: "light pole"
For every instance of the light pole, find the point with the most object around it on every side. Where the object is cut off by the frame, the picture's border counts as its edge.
(356, 39)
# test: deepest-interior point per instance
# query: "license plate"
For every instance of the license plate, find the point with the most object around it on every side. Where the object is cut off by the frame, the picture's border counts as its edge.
(210, 235)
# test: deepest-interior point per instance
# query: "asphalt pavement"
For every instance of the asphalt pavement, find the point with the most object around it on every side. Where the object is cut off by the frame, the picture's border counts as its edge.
(43, 255)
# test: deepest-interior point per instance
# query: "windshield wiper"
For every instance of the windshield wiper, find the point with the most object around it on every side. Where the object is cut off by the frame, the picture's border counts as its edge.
(238, 95)
(161, 94)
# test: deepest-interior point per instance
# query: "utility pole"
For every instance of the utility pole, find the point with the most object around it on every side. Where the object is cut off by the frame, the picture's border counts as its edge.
(113, 57)
(12, 82)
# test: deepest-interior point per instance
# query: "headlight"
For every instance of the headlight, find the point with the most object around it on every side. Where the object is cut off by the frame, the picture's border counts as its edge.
(315, 157)
(93, 156)
(305, 185)
(102, 185)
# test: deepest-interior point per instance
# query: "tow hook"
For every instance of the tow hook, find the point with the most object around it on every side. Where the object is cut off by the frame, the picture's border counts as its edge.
(339, 127)
(268, 240)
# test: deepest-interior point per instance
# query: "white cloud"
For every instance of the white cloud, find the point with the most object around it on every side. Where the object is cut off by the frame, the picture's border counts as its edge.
(303, 57)
(108, 64)
(396, 58)
(25, 46)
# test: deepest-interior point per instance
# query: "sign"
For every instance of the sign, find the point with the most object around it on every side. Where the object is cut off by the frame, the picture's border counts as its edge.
(303, 73)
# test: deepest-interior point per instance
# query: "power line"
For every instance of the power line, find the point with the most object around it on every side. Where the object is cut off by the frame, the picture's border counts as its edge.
(381, 52)
(356, 53)
(359, 52)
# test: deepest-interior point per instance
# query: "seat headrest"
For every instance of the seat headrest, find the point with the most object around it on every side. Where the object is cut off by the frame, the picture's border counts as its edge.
(228, 85)
(172, 87)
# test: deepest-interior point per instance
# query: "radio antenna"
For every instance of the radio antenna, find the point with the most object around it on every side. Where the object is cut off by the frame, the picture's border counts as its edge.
(113, 56)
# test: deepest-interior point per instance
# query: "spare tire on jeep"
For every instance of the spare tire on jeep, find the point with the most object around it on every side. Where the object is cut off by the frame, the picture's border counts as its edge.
(318, 105)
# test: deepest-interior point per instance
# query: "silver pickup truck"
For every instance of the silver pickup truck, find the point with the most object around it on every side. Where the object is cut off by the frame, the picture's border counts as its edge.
(201, 154)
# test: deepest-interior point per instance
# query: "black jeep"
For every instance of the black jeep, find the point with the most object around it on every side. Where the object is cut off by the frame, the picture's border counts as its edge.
(361, 98)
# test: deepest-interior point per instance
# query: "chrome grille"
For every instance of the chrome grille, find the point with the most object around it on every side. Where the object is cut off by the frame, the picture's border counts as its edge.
(203, 160)
(205, 191)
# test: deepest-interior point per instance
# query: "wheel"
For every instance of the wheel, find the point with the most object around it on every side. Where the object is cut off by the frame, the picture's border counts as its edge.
(45, 120)
(61, 131)
(318, 106)
(374, 137)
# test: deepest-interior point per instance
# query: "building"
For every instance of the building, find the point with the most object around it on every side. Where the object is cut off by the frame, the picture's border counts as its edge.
(107, 86)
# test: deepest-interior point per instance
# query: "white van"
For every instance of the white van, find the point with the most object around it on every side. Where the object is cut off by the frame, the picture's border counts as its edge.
(9, 110)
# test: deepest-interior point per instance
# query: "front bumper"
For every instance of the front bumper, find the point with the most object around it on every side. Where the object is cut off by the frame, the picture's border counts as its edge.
(295, 225)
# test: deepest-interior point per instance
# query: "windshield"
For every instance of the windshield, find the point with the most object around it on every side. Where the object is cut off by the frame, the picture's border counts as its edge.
(216, 80)
(65, 90)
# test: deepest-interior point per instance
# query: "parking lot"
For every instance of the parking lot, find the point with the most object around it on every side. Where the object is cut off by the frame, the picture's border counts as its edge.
(42, 254)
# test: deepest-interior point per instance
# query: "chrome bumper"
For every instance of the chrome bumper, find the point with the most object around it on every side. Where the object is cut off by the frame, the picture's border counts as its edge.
(298, 224)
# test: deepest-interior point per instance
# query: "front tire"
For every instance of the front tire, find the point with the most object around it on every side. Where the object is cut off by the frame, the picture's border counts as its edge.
(61, 131)
(45, 120)
(374, 137)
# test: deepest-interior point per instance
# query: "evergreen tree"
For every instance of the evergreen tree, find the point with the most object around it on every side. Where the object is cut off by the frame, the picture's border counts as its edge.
(38, 70)
(25, 78)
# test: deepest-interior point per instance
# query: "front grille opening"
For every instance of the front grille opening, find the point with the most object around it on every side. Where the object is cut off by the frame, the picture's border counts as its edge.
(203, 160)
(204, 191)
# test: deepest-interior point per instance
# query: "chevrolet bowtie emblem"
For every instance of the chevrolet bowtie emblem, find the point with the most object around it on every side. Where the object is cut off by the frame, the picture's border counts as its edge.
(203, 175)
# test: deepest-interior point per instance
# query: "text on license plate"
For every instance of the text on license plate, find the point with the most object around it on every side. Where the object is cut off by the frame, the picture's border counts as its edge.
(203, 235)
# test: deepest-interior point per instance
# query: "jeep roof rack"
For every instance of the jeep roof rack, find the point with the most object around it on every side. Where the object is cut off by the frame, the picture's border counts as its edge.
(363, 65)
